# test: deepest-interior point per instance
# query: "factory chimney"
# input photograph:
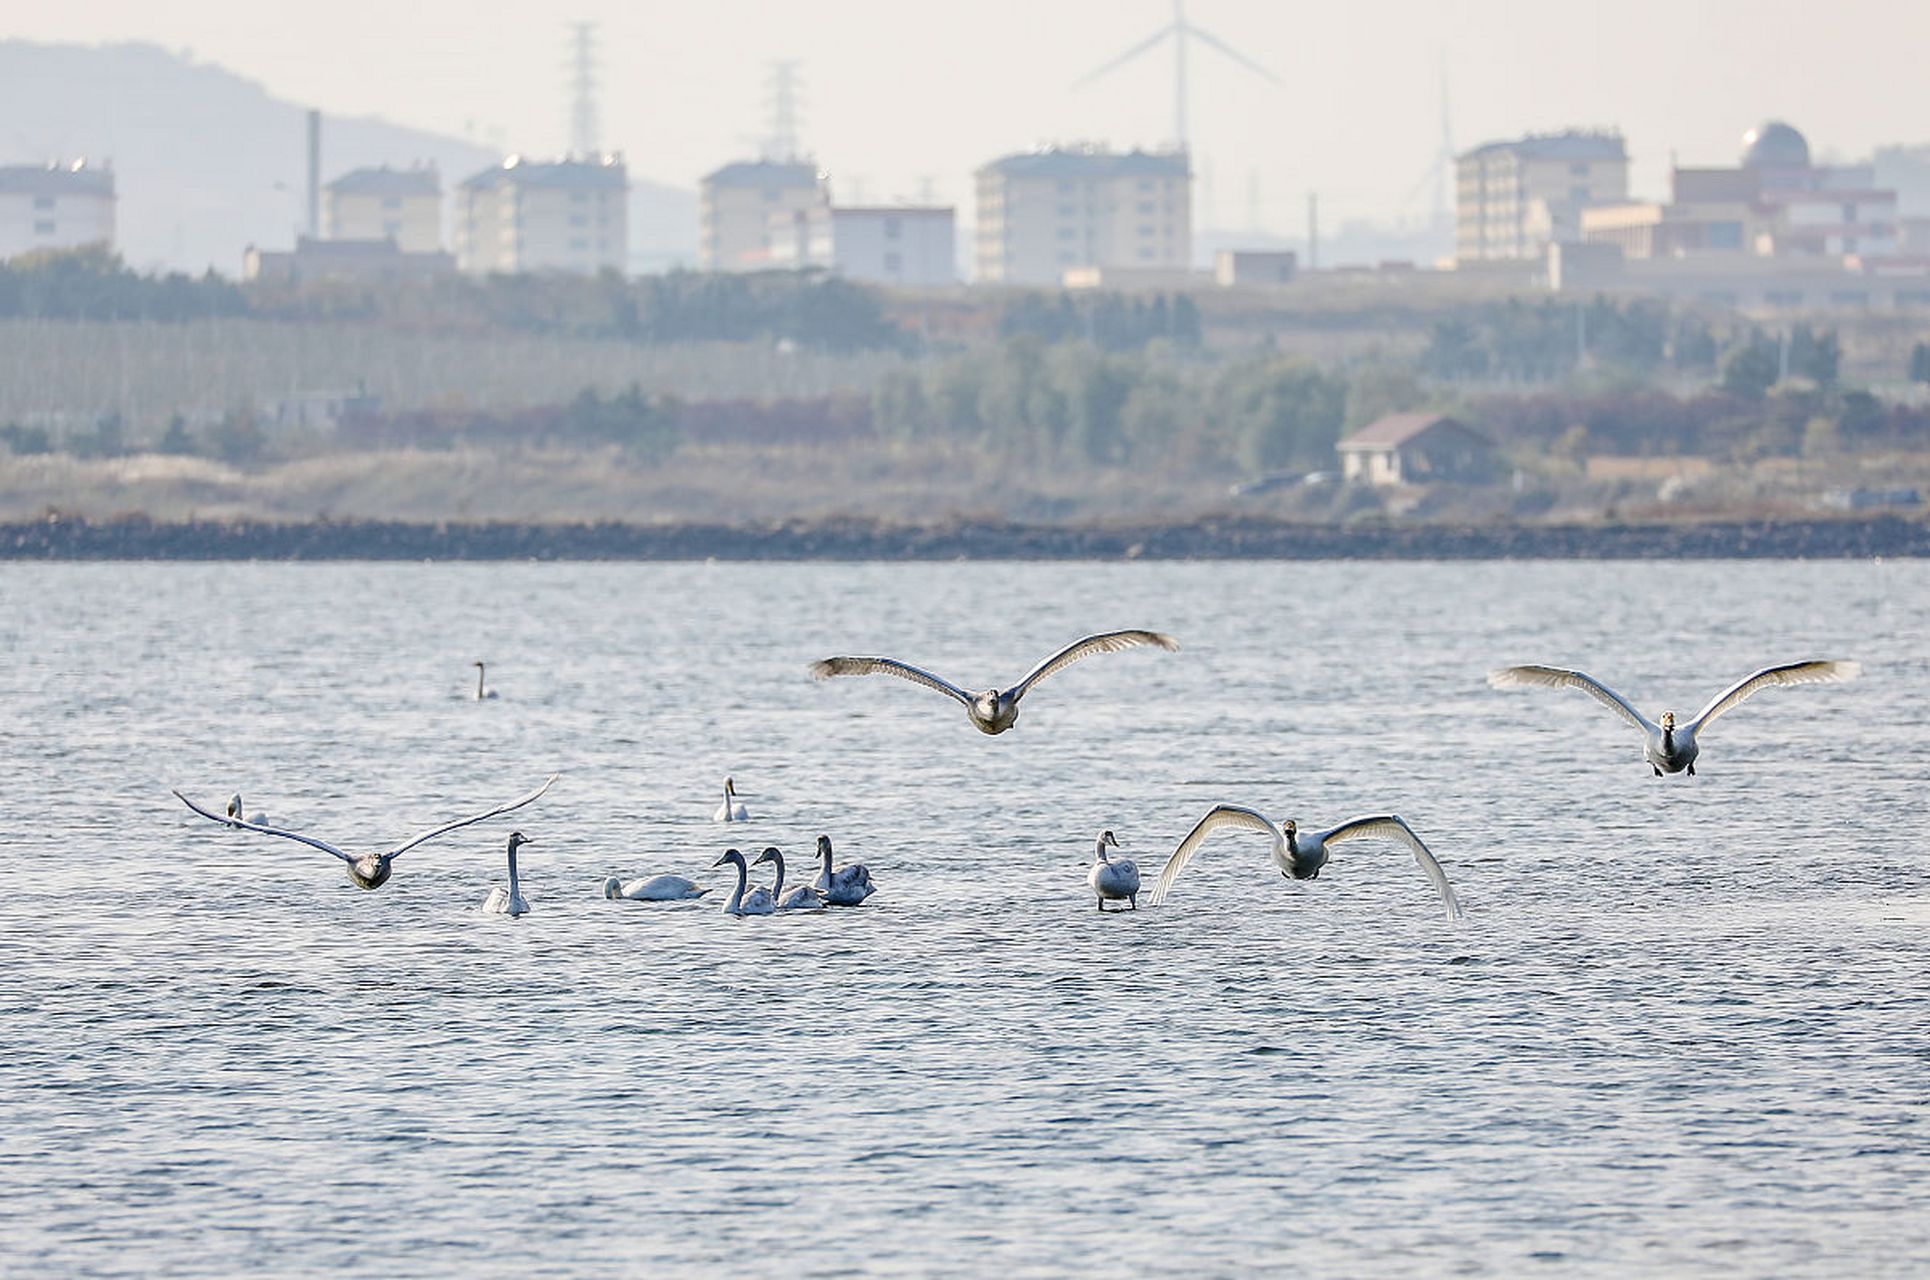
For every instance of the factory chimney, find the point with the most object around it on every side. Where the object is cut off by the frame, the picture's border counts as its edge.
(314, 175)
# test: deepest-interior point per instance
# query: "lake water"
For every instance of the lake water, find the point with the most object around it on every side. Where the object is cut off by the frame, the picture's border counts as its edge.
(1685, 1026)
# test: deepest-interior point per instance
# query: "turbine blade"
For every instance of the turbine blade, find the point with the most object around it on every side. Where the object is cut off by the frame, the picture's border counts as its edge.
(1124, 58)
(1202, 33)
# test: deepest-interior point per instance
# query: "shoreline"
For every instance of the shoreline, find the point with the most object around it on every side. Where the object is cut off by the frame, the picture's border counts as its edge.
(73, 538)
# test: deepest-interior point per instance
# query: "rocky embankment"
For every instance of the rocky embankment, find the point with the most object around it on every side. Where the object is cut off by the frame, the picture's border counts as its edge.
(56, 537)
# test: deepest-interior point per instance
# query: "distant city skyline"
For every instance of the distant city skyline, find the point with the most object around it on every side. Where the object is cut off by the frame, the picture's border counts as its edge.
(899, 101)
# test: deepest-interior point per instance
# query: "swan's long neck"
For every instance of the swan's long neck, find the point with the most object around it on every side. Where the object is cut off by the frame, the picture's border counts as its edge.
(479, 681)
(826, 855)
(1100, 852)
(743, 879)
(777, 891)
(1668, 739)
(515, 885)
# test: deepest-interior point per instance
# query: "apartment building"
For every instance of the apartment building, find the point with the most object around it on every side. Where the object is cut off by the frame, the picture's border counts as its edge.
(403, 205)
(1513, 199)
(564, 215)
(1045, 213)
(741, 203)
(909, 246)
(65, 206)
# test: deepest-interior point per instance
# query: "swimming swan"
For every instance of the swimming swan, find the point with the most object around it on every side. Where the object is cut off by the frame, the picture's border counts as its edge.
(845, 887)
(237, 818)
(758, 902)
(369, 870)
(1113, 880)
(995, 710)
(482, 694)
(510, 901)
(1667, 747)
(1302, 855)
(804, 898)
(731, 810)
(655, 889)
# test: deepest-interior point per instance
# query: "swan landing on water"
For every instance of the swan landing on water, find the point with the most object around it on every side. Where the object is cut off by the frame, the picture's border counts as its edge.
(1113, 880)
(994, 710)
(1299, 854)
(1669, 747)
(368, 870)
(510, 901)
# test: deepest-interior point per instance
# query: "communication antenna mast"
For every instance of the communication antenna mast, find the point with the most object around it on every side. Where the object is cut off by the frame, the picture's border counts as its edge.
(583, 113)
(781, 95)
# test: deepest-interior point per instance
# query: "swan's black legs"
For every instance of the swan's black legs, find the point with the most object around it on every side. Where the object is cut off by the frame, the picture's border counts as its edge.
(1657, 768)
(1692, 771)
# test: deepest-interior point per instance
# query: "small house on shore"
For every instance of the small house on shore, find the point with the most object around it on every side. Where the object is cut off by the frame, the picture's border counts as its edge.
(1418, 448)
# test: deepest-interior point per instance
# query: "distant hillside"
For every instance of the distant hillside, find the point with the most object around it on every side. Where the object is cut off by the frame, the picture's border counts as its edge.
(207, 162)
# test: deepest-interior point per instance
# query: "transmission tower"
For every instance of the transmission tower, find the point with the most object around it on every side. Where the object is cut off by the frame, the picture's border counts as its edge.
(781, 95)
(583, 113)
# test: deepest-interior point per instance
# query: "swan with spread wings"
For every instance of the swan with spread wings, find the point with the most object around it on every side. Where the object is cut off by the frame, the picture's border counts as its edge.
(1301, 854)
(1670, 747)
(368, 870)
(994, 710)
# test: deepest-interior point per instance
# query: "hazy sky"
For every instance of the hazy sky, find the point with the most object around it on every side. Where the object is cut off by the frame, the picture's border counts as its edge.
(898, 90)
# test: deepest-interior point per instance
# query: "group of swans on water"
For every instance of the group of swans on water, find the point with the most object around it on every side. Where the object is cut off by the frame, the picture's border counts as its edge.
(1667, 746)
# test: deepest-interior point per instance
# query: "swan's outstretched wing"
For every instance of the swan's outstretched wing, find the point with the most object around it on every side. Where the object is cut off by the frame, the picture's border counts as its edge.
(1389, 824)
(1562, 678)
(246, 825)
(1823, 671)
(1104, 642)
(399, 850)
(829, 667)
(1226, 815)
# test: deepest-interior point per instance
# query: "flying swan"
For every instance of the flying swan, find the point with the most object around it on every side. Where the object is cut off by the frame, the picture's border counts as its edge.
(369, 870)
(1669, 748)
(510, 901)
(1113, 881)
(995, 710)
(1302, 855)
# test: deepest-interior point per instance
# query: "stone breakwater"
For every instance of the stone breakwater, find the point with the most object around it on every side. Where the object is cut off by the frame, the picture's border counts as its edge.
(56, 537)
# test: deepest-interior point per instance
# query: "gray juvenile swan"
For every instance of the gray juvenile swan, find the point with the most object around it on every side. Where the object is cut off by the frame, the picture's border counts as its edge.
(804, 898)
(1113, 880)
(368, 870)
(510, 901)
(994, 710)
(1669, 747)
(845, 887)
(482, 694)
(1302, 854)
(655, 889)
(756, 902)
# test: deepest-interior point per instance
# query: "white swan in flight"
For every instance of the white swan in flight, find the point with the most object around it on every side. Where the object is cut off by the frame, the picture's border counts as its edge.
(1302, 854)
(368, 870)
(845, 887)
(994, 710)
(732, 810)
(1669, 747)
(482, 694)
(757, 902)
(510, 901)
(1113, 880)
(655, 889)
(236, 818)
(804, 898)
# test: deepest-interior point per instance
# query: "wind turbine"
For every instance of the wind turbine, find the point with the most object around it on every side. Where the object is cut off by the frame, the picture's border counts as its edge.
(1179, 30)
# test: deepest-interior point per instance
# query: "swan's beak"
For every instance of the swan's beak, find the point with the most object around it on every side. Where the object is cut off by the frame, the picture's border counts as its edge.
(721, 861)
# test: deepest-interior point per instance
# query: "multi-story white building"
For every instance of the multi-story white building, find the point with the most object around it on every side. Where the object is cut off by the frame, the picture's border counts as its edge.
(1514, 199)
(1044, 213)
(55, 207)
(904, 245)
(403, 205)
(566, 215)
(740, 203)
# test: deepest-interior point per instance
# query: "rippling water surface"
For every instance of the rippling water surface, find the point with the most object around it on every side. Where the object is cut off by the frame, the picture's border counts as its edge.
(1685, 1025)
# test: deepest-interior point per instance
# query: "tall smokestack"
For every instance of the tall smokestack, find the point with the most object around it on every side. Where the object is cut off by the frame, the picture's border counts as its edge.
(314, 175)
